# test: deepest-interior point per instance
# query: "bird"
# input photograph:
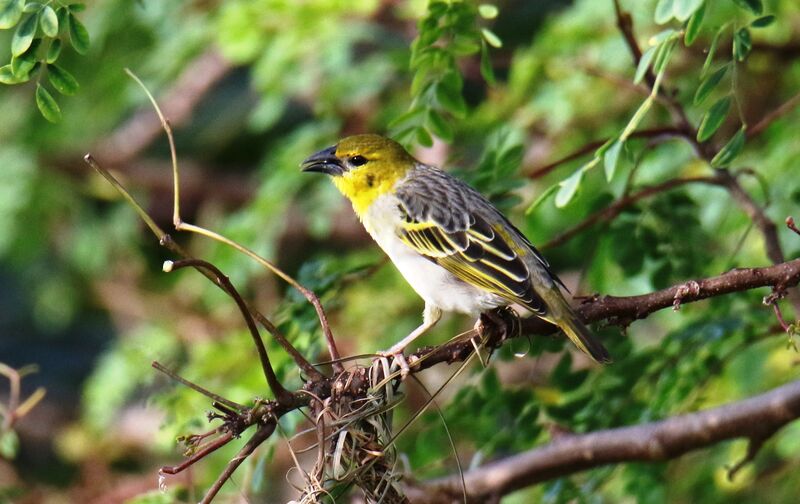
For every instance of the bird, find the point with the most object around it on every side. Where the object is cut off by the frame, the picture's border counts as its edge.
(455, 249)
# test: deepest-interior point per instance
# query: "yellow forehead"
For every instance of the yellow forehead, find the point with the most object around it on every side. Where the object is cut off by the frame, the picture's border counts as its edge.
(372, 147)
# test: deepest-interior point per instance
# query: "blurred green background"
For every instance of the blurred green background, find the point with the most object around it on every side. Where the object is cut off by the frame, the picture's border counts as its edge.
(495, 95)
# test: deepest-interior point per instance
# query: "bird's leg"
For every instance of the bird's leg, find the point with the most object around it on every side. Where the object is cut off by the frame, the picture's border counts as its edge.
(430, 316)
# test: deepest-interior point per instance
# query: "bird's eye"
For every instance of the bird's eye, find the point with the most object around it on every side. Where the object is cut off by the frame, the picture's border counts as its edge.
(358, 160)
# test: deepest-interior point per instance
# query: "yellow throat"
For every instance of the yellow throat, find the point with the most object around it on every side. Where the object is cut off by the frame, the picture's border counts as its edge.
(387, 162)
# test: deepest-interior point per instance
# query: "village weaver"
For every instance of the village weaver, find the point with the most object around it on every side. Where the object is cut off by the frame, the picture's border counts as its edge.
(454, 247)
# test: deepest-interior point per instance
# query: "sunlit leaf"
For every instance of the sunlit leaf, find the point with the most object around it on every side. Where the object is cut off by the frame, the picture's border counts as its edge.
(694, 25)
(664, 11)
(47, 104)
(683, 9)
(23, 36)
(611, 159)
(78, 35)
(10, 12)
(62, 80)
(491, 38)
(49, 21)
(488, 11)
(569, 186)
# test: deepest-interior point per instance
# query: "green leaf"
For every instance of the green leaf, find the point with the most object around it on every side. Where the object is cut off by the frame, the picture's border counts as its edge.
(49, 21)
(23, 64)
(742, 44)
(23, 37)
(683, 9)
(663, 55)
(712, 51)
(664, 11)
(78, 35)
(486, 65)
(694, 25)
(7, 76)
(491, 38)
(451, 99)
(47, 105)
(763, 21)
(424, 138)
(713, 119)
(77, 7)
(54, 51)
(10, 12)
(32, 7)
(730, 150)
(487, 11)
(644, 64)
(62, 80)
(754, 6)
(611, 159)
(708, 84)
(569, 186)
(439, 126)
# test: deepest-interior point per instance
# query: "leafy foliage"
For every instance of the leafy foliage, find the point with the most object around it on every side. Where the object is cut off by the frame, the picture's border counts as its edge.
(309, 72)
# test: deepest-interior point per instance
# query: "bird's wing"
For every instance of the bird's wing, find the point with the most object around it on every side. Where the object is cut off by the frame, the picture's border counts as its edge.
(451, 224)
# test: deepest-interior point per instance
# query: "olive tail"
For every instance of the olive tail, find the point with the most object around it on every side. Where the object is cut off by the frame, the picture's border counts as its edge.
(583, 338)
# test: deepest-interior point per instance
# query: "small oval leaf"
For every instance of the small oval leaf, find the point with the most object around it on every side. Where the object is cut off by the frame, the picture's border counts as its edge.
(712, 51)
(763, 21)
(713, 119)
(487, 11)
(49, 21)
(664, 11)
(54, 51)
(491, 38)
(611, 159)
(10, 13)
(708, 84)
(568, 187)
(487, 71)
(694, 25)
(731, 149)
(78, 35)
(644, 64)
(683, 9)
(47, 105)
(7, 76)
(742, 44)
(62, 80)
(23, 37)
(439, 126)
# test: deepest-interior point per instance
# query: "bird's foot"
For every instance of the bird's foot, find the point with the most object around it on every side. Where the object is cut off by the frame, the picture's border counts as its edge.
(398, 361)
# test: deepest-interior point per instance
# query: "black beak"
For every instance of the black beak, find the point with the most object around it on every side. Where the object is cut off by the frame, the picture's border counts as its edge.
(324, 161)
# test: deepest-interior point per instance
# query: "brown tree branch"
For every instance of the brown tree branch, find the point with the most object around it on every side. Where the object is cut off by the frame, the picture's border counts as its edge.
(625, 309)
(756, 418)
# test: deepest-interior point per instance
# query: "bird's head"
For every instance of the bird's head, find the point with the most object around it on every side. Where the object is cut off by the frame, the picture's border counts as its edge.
(362, 167)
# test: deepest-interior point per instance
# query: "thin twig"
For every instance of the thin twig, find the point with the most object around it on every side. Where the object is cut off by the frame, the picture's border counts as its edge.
(197, 388)
(773, 116)
(166, 241)
(180, 225)
(261, 435)
(282, 395)
(198, 455)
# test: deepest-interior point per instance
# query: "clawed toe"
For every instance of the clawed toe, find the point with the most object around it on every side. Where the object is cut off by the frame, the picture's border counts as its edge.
(399, 359)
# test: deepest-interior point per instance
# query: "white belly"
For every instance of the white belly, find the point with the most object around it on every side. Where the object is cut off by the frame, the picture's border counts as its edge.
(434, 284)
